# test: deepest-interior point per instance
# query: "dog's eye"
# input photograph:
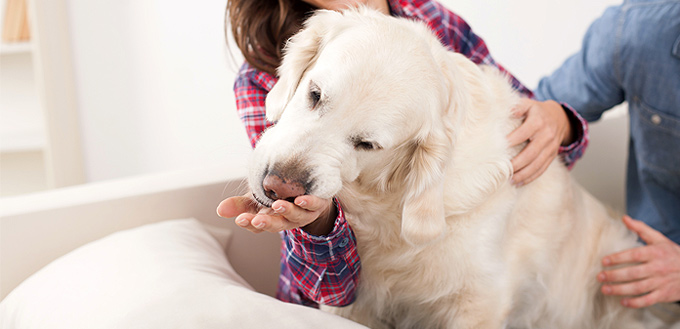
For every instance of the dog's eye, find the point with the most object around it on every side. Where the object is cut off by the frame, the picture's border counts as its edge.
(364, 145)
(314, 97)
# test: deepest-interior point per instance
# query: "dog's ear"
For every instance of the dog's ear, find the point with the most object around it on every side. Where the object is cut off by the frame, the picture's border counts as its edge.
(475, 92)
(300, 53)
(423, 218)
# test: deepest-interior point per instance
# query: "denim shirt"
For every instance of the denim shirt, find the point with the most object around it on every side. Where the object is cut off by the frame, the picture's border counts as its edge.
(632, 54)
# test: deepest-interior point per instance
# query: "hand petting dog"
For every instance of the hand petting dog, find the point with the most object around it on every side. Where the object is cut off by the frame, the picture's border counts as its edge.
(652, 274)
(545, 127)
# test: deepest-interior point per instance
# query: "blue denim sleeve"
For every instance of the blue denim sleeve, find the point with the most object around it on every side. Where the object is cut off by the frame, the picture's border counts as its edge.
(589, 80)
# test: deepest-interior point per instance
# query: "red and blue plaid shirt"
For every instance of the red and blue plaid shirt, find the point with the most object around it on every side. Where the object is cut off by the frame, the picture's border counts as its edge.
(325, 269)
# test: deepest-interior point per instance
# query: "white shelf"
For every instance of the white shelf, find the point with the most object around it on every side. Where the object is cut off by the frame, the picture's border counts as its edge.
(37, 78)
(22, 140)
(22, 126)
(13, 48)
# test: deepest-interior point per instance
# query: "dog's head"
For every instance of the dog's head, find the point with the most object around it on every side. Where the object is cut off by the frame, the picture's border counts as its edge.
(361, 96)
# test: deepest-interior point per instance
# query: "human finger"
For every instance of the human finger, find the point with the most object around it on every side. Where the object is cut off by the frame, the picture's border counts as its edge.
(521, 108)
(293, 213)
(533, 173)
(312, 203)
(627, 273)
(643, 301)
(633, 288)
(236, 205)
(531, 160)
(244, 220)
(634, 255)
(522, 133)
(644, 231)
(271, 221)
(524, 158)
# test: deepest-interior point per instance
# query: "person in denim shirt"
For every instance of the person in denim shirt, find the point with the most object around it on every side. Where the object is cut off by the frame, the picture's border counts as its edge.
(632, 54)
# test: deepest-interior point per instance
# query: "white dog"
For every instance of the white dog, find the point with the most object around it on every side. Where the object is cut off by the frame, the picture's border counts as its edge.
(412, 140)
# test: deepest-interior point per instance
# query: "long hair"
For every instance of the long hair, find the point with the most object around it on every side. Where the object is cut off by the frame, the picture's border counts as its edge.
(262, 27)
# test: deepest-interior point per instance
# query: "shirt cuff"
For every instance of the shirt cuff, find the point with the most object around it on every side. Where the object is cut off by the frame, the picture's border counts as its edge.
(324, 248)
(572, 152)
(324, 269)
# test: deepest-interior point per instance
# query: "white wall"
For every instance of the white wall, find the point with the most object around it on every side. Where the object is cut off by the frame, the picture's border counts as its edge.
(530, 38)
(154, 83)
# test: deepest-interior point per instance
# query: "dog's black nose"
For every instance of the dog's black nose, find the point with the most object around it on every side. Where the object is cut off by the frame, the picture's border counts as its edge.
(277, 188)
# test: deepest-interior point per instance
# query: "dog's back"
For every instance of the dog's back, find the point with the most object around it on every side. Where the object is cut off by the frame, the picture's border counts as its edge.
(556, 235)
(560, 233)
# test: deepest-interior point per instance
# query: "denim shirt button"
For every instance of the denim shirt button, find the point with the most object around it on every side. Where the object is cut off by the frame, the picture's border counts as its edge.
(656, 119)
(343, 242)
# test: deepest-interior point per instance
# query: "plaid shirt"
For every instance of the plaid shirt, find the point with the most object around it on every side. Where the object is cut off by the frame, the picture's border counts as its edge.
(325, 269)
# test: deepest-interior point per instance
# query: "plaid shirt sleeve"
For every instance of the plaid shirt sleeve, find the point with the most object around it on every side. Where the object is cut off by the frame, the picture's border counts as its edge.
(314, 269)
(319, 269)
(250, 91)
(574, 151)
(456, 34)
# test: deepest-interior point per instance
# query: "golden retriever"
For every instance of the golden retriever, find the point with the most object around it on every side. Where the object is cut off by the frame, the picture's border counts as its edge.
(412, 139)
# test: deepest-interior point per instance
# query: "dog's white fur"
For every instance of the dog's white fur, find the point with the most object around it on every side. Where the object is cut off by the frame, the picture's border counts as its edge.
(445, 240)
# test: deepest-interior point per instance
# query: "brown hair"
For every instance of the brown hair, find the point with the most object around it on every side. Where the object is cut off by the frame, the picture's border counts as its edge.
(262, 27)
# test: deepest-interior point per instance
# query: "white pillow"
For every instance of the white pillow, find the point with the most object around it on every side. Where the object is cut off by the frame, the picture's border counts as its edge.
(171, 274)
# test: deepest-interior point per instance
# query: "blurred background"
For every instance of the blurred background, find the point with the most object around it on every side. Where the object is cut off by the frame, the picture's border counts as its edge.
(94, 90)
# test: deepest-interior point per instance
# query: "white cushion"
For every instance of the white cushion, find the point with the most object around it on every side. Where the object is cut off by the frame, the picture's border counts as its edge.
(171, 274)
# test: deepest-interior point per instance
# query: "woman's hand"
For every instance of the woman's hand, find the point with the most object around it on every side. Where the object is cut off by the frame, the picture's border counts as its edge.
(313, 214)
(545, 127)
(651, 274)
